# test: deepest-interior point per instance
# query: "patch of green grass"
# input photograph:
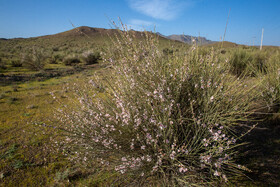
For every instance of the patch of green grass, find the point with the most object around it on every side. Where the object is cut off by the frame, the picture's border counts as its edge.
(24, 146)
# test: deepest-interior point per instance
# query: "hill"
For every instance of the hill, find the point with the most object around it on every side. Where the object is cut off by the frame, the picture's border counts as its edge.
(81, 31)
(225, 44)
(80, 38)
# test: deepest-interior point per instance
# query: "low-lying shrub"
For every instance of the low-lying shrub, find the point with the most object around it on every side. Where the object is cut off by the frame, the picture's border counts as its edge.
(271, 84)
(91, 57)
(259, 62)
(34, 60)
(71, 60)
(249, 63)
(54, 59)
(167, 51)
(55, 49)
(16, 63)
(239, 62)
(2, 64)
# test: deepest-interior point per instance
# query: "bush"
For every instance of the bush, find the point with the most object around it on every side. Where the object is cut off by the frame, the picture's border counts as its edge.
(34, 61)
(55, 49)
(247, 63)
(91, 58)
(54, 59)
(71, 60)
(170, 118)
(259, 62)
(2, 64)
(271, 84)
(239, 62)
(16, 63)
(223, 51)
(167, 51)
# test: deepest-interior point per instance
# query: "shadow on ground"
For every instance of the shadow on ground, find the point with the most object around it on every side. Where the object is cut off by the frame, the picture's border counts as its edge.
(262, 154)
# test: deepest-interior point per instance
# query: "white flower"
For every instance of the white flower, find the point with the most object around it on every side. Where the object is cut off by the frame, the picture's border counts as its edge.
(172, 155)
(149, 159)
(216, 173)
(183, 170)
(225, 178)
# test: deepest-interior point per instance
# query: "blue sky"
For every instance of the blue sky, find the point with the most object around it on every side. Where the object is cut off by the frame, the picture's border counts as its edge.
(28, 18)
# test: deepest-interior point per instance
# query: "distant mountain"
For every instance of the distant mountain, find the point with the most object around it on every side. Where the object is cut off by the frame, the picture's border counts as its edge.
(161, 35)
(188, 39)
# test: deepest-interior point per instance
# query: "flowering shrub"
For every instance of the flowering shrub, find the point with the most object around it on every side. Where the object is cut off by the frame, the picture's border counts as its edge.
(173, 117)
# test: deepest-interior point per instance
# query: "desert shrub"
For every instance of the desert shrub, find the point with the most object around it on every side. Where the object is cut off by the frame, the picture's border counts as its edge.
(71, 60)
(12, 100)
(2, 64)
(2, 96)
(271, 83)
(223, 51)
(91, 57)
(34, 60)
(203, 52)
(55, 49)
(259, 62)
(249, 63)
(172, 118)
(54, 59)
(239, 62)
(16, 63)
(167, 51)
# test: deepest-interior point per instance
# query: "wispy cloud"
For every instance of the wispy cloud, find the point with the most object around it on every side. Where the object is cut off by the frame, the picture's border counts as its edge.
(137, 24)
(159, 9)
(140, 22)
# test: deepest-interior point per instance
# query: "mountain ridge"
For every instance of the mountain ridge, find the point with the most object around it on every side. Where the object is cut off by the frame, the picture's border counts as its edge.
(84, 32)
(93, 31)
(188, 39)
